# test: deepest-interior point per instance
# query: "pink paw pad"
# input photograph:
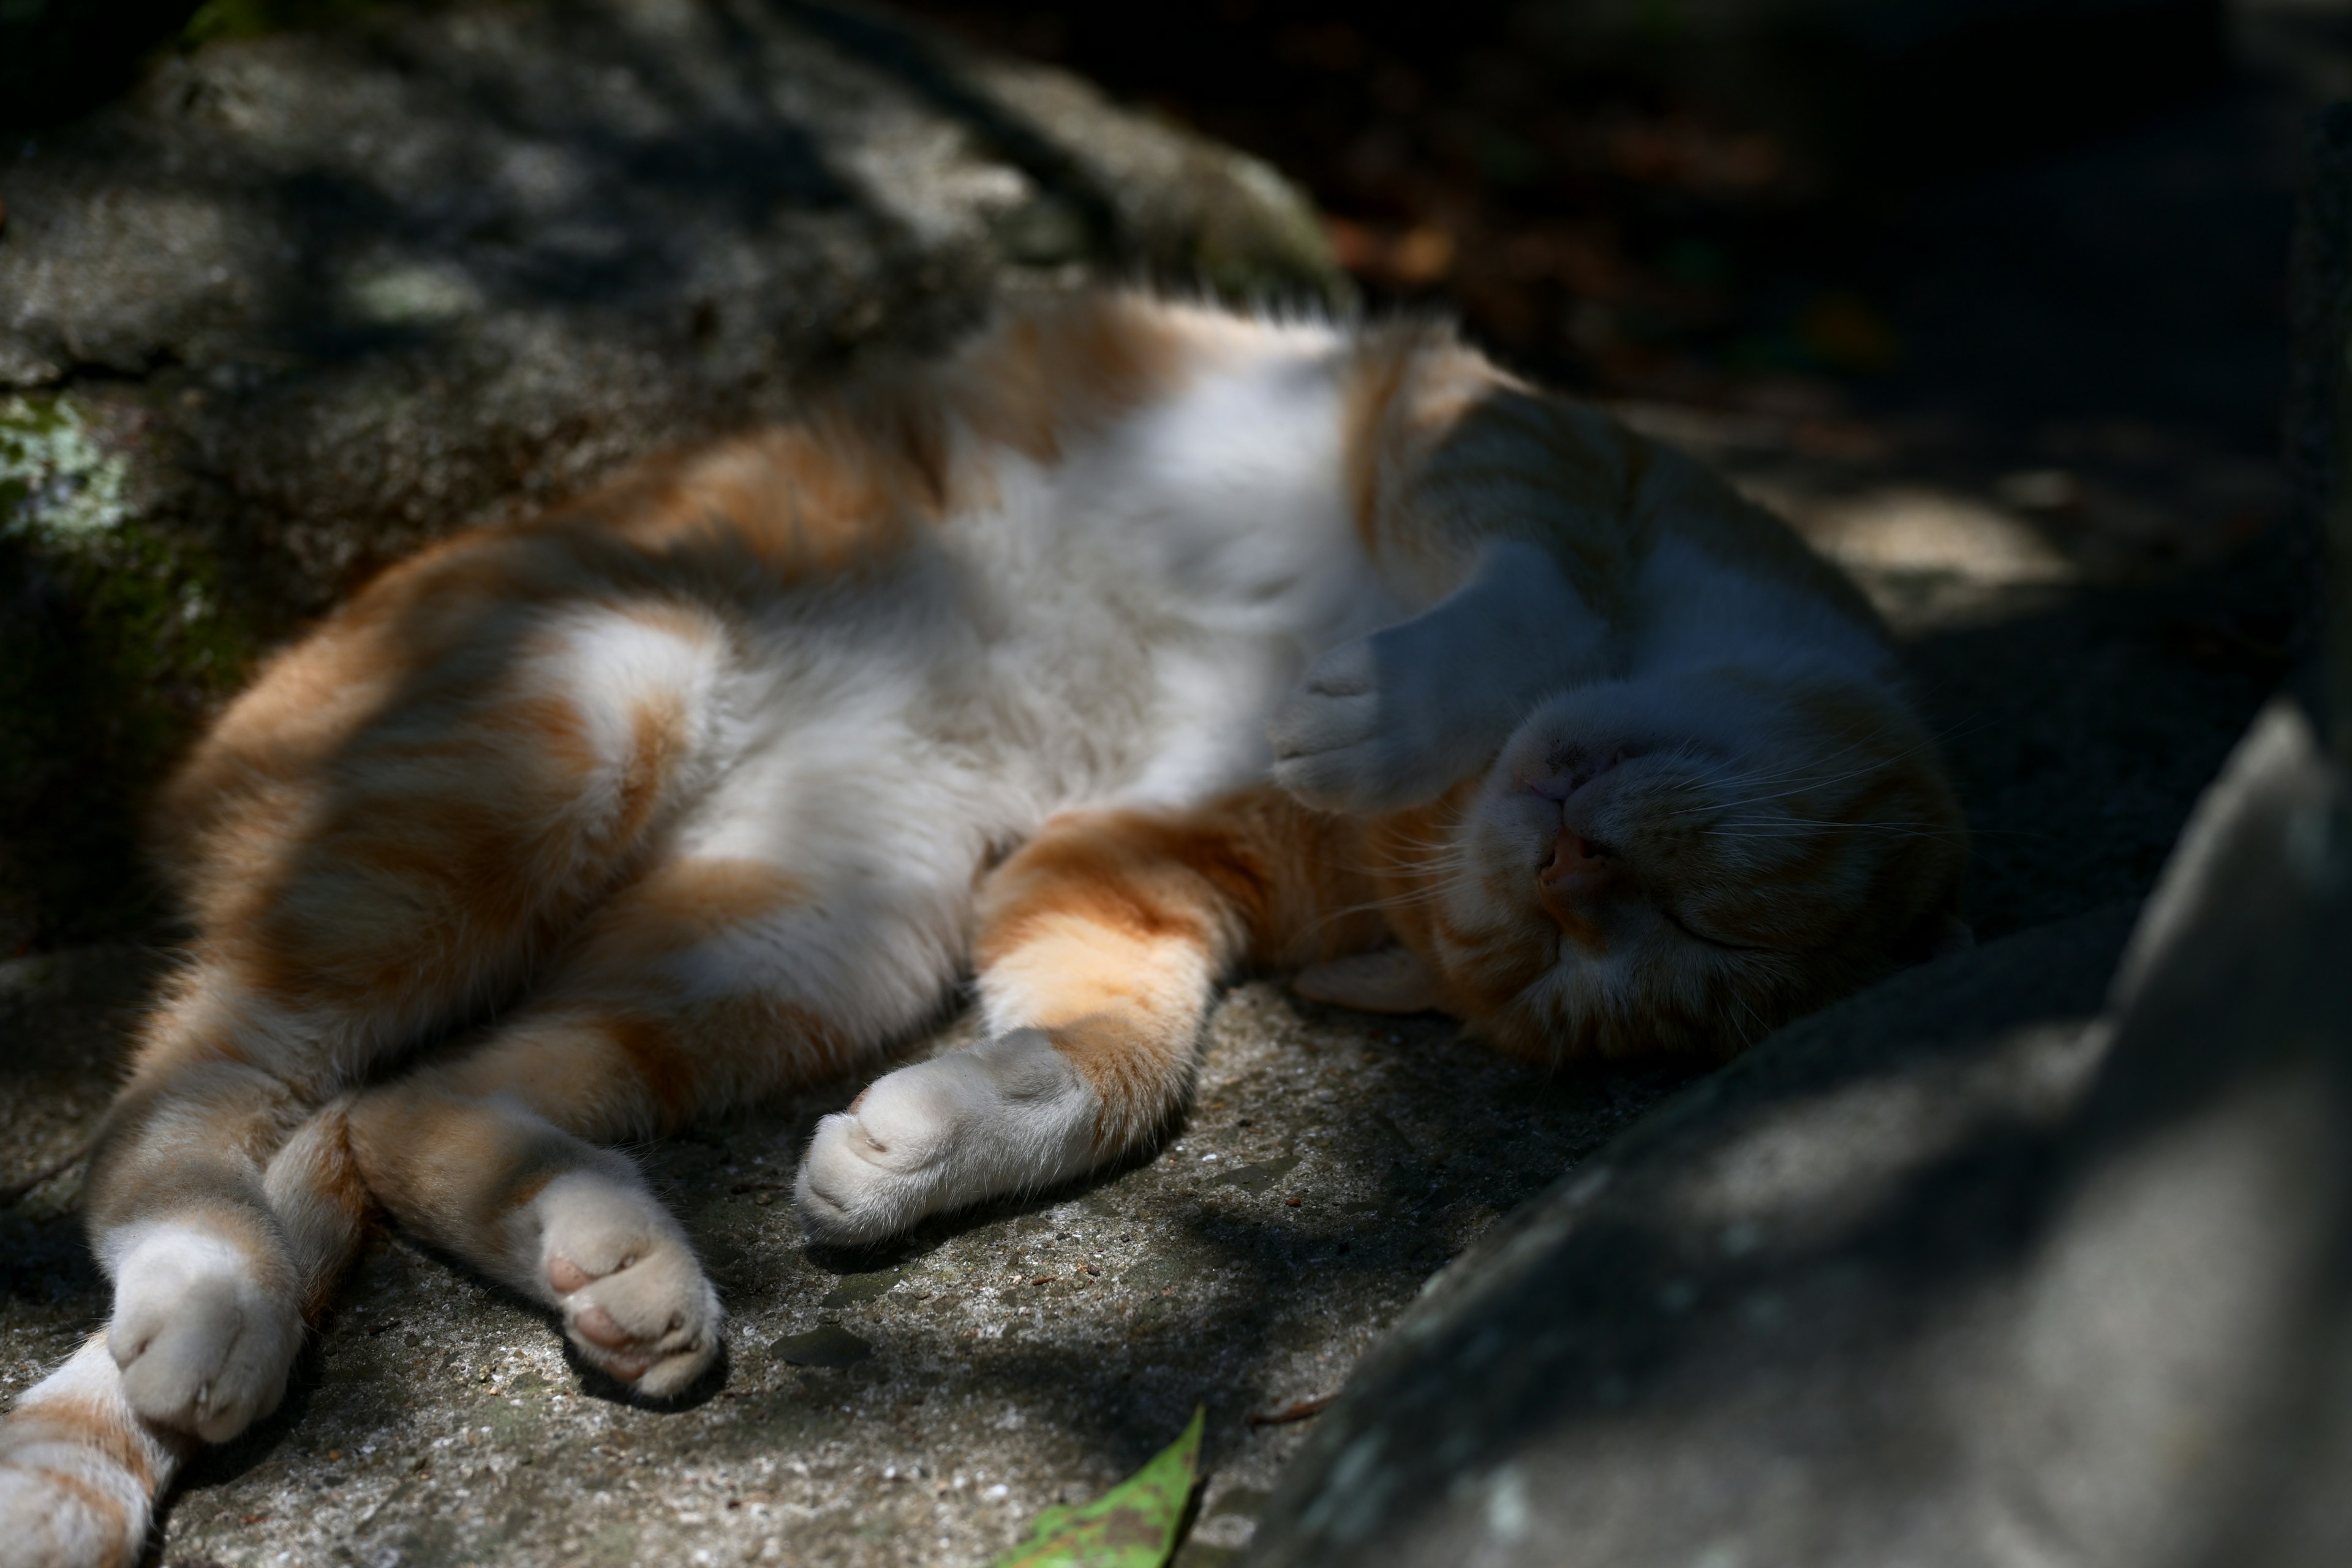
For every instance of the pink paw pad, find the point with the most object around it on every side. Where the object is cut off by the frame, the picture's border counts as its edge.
(566, 1275)
(634, 1324)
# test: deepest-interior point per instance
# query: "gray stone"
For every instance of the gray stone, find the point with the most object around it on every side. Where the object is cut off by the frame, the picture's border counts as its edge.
(1964, 1271)
(299, 304)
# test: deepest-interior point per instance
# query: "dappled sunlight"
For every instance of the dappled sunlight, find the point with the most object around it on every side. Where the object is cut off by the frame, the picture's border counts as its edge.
(1805, 1172)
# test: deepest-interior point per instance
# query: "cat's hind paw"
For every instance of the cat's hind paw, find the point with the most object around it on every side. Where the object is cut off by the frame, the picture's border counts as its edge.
(634, 1299)
(203, 1334)
(1007, 1116)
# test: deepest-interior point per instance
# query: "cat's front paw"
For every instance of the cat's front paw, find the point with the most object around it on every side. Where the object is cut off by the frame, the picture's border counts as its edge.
(1360, 734)
(1006, 1116)
(204, 1333)
(634, 1299)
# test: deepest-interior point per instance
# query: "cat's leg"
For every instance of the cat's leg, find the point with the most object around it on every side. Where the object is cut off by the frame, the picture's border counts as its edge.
(1390, 720)
(467, 1159)
(1100, 948)
(371, 850)
(705, 983)
(80, 1465)
(354, 895)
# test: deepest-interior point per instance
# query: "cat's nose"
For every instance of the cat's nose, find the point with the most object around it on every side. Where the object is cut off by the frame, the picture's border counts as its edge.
(1579, 869)
(1574, 883)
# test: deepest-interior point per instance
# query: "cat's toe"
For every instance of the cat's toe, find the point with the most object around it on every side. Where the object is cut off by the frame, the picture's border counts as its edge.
(858, 1184)
(653, 1324)
(203, 1343)
(893, 1156)
(634, 1299)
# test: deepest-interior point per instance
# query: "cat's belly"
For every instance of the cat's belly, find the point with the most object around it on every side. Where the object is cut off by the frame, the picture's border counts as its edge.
(903, 732)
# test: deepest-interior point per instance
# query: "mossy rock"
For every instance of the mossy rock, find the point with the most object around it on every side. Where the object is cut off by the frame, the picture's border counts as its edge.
(116, 637)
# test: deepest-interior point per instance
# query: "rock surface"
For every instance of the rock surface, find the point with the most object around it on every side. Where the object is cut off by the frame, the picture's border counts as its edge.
(1952, 1273)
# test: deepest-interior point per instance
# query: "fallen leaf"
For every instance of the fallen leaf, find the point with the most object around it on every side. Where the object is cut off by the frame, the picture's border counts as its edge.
(1133, 1525)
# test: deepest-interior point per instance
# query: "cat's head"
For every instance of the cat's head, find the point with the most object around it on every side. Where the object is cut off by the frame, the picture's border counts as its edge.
(1677, 864)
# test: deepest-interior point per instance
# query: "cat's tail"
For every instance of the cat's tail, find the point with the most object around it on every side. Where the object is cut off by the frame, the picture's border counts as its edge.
(81, 1470)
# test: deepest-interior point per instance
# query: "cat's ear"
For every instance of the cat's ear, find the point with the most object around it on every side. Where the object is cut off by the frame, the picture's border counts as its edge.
(1389, 980)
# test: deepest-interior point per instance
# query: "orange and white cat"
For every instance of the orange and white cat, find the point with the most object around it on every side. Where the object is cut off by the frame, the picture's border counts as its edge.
(1133, 644)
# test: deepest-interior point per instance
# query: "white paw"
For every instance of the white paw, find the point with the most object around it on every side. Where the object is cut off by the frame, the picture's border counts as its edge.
(634, 1299)
(1007, 1116)
(1368, 729)
(203, 1334)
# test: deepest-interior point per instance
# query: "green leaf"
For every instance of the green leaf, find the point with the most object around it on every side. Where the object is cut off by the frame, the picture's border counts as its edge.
(1133, 1525)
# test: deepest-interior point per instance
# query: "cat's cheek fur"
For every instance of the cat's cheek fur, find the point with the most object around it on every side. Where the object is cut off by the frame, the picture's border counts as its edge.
(1011, 1115)
(202, 1337)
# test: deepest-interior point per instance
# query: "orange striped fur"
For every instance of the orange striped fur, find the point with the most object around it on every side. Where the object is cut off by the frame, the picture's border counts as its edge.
(1131, 646)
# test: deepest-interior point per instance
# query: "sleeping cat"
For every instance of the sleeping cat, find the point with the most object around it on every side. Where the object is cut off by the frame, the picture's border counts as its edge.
(1132, 645)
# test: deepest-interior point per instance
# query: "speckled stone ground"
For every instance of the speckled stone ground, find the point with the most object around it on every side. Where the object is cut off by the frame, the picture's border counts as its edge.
(1001, 1362)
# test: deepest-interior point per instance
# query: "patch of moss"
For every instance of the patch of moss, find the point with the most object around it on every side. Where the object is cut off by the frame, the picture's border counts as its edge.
(115, 639)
